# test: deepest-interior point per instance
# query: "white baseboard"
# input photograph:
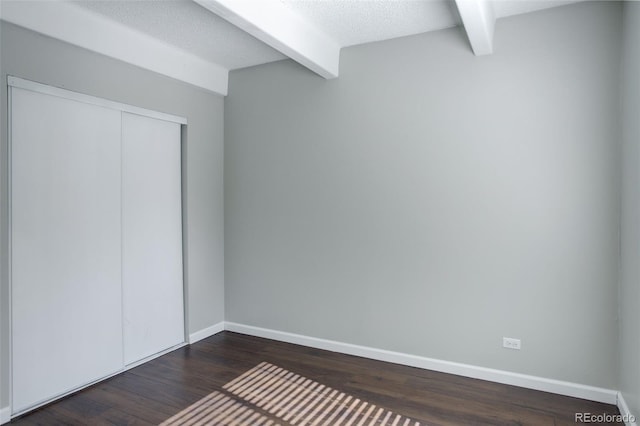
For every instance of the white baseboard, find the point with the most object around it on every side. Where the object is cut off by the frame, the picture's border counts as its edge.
(206, 332)
(576, 390)
(5, 415)
(628, 417)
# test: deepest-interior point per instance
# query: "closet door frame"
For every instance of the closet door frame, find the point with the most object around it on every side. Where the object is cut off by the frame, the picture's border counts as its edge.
(20, 83)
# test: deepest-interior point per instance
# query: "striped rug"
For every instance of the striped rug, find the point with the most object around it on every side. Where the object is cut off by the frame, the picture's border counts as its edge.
(269, 395)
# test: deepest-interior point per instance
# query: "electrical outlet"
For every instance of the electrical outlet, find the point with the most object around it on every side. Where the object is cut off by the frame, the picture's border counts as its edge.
(511, 343)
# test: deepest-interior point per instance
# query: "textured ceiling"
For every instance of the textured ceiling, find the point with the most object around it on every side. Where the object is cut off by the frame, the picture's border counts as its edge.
(190, 27)
(186, 25)
(352, 22)
(504, 8)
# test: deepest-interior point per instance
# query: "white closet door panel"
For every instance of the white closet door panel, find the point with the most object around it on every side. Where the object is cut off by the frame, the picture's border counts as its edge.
(151, 236)
(66, 246)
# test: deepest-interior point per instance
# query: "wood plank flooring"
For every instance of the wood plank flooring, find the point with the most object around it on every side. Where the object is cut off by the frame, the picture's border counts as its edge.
(155, 391)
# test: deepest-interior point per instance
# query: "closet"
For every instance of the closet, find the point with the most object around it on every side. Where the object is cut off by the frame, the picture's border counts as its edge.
(95, 239)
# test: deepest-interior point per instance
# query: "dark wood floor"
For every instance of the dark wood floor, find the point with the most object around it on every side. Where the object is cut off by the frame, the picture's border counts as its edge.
(155, 391)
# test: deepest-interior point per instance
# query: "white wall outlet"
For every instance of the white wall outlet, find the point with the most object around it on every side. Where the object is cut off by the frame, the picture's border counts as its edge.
(511, 343)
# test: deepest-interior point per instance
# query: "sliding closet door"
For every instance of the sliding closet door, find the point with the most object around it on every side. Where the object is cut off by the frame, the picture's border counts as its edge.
(152, 236)
(66, 267)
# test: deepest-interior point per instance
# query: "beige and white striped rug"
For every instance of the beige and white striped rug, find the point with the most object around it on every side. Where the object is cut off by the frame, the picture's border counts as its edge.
(269, 395)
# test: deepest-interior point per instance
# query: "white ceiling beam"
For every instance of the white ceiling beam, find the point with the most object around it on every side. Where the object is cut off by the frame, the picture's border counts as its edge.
(479, 22)
(78, 26)
(277, 26)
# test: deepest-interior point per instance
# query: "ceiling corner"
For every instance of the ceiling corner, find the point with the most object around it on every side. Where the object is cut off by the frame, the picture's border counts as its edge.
(75, 25)
(275, 25)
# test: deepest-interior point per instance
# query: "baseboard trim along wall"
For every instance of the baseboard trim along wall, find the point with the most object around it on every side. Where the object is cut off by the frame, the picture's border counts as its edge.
(576, 390)
(5, 415)
(628, 418)
(206, 332)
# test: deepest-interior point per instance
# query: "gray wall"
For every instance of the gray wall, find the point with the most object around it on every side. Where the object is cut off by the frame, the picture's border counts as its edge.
(630, 277)
(430, 202)
(28, 55)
